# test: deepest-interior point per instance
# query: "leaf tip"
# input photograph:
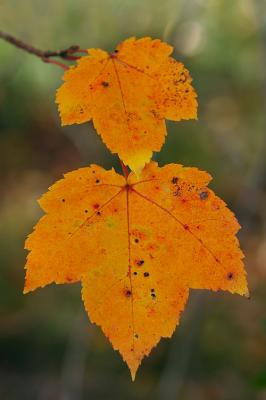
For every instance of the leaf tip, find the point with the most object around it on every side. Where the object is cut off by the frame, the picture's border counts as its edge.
(137, 162)
(133, 374)
(26, 290)
(133, 368)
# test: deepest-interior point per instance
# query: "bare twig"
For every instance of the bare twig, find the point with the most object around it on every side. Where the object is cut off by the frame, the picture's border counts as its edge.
(45, 56)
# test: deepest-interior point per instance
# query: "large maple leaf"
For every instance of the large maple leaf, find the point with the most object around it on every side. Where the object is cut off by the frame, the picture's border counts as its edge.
(137, 245)
(128, 94)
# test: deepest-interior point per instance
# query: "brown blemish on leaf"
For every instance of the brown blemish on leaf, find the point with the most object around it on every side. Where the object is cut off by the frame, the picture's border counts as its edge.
(105, 84)
(230, 275)
(203, 195)
(174, 180)
(177, 192)
(152, 246)
(137, 233)
(146, 274)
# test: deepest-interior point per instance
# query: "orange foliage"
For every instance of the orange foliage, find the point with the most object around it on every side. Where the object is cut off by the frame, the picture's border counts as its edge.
(137, 245)
(128, 94)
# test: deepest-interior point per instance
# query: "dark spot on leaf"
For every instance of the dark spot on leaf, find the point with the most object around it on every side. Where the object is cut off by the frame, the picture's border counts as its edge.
(85, 211)
(153, 295)
(97, 181)
(63, 200)
(128, 293)
(136, 336)
(105, 84)
(93, 172)
(186, 227)
(96, 205)
(98, 212)
(203, 195)
(152, 290)
(177, 192)
(146, 274)
(135, 273)
(136, 240)
(116, 51)
(140, 262)
(174, 180)
(230, 275)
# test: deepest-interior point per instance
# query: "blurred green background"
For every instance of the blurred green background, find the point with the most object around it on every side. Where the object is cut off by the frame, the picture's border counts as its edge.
(48, 348)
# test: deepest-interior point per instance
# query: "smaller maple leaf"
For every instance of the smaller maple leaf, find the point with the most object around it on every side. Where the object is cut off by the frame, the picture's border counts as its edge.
(128, 94)
(137, 245)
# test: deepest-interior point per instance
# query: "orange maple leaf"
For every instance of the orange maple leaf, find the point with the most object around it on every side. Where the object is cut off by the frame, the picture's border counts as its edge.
(137, 245)
(128, 94)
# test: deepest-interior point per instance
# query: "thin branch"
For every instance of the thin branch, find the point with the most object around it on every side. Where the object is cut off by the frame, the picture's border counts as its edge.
(45, 56)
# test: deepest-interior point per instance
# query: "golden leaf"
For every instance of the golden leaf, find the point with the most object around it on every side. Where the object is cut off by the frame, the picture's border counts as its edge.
(128, 94)
(137, 245)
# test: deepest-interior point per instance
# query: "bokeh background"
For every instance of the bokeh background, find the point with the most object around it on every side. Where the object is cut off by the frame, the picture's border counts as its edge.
(48, 348)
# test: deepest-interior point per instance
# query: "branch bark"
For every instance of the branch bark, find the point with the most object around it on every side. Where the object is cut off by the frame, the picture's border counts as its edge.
(48, 55)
